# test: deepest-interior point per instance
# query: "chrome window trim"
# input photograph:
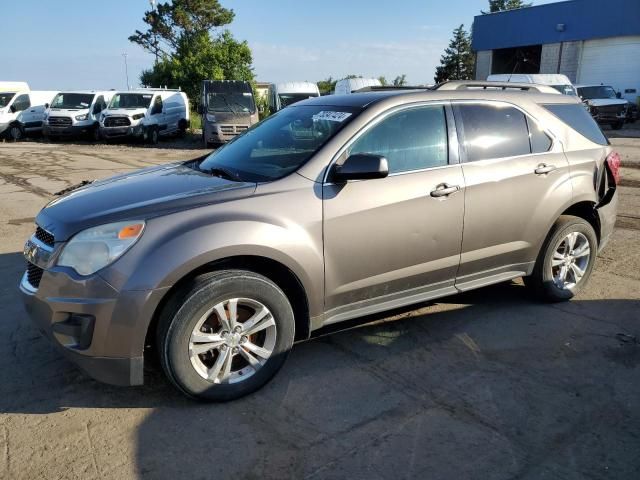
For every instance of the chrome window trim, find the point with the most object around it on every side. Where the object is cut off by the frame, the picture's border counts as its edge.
(383, 115)
(493, 103)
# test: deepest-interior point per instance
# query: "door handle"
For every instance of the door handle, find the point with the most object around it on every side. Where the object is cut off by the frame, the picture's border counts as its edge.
(544, 168)
(444, 190)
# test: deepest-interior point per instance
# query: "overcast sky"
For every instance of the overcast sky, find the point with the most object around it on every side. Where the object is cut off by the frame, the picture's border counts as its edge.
(79, 43)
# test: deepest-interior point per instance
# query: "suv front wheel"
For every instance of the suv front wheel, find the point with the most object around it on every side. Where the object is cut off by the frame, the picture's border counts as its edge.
(225, 335)
(566, 260)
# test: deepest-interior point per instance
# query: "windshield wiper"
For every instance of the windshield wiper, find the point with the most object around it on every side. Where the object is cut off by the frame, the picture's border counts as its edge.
(222, 173)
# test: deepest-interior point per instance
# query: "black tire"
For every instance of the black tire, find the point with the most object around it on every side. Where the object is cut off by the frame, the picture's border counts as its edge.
(96, 136)
(182, 128)
(152, 135)
(541, 281)
(187, 306)
(16, 132)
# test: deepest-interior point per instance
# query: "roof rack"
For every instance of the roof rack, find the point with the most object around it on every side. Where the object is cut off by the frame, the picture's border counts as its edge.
(383, 88)
(480, 85)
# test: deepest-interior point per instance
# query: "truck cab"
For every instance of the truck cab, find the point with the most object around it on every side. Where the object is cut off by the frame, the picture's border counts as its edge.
(604, 104)
(146, 114)
(22, 110)
(352, 85)
(282, 95)
(228, 108)
(74, 113)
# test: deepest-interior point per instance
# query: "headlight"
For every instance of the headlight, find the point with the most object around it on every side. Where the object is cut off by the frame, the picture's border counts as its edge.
(138, 116)
(95, 248)
(211, 118)
(82, 117)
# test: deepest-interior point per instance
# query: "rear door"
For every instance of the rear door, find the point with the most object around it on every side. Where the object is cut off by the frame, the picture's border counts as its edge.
(517, 183)
(391, 240)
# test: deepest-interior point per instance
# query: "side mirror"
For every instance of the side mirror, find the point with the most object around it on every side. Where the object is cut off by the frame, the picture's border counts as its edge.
(46, 105)
(618, 94)
(361, 166)
(12, 108)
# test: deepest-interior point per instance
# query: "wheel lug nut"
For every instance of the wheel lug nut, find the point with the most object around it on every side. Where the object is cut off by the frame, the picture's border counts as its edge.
(243, 339)
(236, 349)
(223, 347)
(238, 329)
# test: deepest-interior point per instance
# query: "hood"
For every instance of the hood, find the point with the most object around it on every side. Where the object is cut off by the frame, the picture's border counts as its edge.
(142, 195)
(67, 112)
(605, 102)
(126, 112)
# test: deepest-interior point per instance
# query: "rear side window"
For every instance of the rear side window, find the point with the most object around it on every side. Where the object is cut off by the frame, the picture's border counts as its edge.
(540, 141)
(412, 139)
(493, 131)
(577, 117)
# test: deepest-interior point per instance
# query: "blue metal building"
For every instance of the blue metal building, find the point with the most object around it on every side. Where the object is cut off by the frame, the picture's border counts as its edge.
(590, 41)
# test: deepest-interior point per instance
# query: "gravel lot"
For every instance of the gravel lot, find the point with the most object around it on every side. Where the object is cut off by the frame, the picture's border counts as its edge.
(485, 385)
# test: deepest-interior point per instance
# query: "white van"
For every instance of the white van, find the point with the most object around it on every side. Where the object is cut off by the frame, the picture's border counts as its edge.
(22, 110)
(555, 80)
(282, 95)
(351, 85)
(146, 113)
(76, 113)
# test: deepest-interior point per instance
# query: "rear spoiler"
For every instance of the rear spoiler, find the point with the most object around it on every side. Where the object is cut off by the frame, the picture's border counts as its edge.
(479, 85)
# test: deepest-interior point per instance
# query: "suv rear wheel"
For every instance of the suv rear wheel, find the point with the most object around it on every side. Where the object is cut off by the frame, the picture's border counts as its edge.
(566, 260)
(225, 335)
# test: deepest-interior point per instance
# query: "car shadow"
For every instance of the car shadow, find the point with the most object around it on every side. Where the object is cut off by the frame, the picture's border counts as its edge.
(485, 384)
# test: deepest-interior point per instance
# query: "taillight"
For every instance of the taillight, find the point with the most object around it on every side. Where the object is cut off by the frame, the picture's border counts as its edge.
(613, 162)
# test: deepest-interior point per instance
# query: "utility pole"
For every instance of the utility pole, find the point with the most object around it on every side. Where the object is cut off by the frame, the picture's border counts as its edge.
(153, 28)
(126, 70)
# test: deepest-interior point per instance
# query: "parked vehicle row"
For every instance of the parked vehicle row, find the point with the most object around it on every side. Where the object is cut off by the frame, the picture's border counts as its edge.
(22, 110)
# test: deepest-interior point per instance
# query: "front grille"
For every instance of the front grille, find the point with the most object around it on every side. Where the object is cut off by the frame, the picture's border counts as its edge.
(117, 122)
(34, 275)
(611, 109)
(59, 121)
(233, 129)
(44, 236)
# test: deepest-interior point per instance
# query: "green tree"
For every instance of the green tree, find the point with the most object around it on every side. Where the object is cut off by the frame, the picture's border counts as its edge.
(400, 81)
(502, 5)
(458, 59)
(181, 35)
(383, 81)
(327, 86)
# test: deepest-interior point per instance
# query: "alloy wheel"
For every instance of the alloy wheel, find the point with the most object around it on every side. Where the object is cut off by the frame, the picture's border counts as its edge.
(232, 340)
(570, 260)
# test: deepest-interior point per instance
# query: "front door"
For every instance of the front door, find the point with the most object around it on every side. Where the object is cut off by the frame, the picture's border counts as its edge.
(391, 241)
(517, 181)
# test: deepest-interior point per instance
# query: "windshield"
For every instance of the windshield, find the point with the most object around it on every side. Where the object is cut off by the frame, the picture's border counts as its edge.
(5, 98)
(589, 93)
(72, 100)
(280, 144)
(565, 89)
(234, 102)
(287, 99)
(131, 100)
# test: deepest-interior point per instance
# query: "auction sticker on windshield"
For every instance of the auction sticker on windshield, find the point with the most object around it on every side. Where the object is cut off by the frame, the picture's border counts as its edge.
(331, 116)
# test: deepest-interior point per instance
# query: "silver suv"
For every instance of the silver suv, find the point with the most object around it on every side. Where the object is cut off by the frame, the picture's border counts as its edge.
(333, 208)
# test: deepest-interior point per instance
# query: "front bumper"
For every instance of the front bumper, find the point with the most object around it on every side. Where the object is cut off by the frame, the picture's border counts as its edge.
(68, 131)
(119, 132)
(95, 326)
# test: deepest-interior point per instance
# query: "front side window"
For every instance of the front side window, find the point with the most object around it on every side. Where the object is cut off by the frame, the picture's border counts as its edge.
(5, 98)
(412, 139)
(21, 103)
(493, 131)
(72, 101)
(280, 144)
(131, 100)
